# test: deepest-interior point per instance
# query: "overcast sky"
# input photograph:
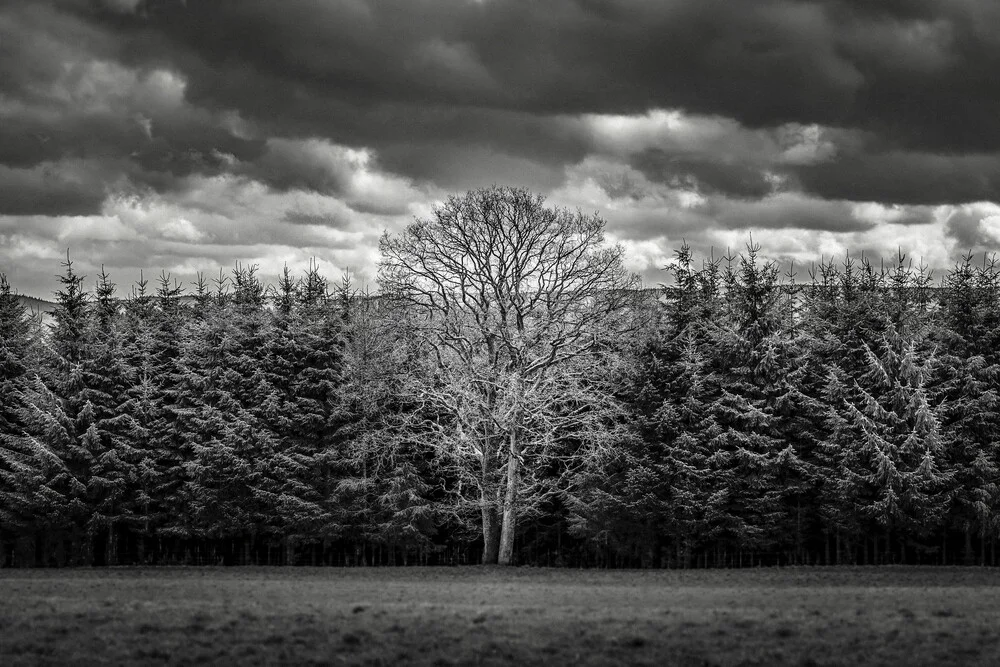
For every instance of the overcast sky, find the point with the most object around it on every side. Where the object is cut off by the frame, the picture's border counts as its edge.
(186, 135)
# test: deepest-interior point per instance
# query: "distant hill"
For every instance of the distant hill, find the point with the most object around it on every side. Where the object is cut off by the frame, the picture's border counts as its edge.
(45, 308)
(38, 307)
(35, 304)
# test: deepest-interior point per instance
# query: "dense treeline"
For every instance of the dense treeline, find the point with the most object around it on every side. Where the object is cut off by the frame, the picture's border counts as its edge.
(852, 418)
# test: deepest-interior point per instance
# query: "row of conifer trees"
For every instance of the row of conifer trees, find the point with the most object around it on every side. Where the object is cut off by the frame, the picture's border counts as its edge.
(849, 418)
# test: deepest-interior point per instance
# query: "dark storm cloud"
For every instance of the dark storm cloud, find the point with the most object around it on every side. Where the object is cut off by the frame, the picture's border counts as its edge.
(784, 211)
(762, 63)
(705, 175)
(496, 77)
(48, 191)
(458, 93)
(67, 104)
(769, 62)
(906, 178)
(460, 167)
(308, 166)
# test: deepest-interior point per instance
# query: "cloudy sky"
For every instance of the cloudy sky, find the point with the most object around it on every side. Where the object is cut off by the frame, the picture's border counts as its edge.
(184, 135)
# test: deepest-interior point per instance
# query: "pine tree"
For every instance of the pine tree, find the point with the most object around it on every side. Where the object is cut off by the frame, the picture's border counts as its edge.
(16, 354)
(843, 314)
(653, 492)
(77, 443)
(163, 403)
(970, 335)
(797, 409)
(887, 450)
(230, 482)
(751, 356)
(109, 380)
(136, 334)
(24, 461)
(41, 496)
(302, 367)
(384, 483)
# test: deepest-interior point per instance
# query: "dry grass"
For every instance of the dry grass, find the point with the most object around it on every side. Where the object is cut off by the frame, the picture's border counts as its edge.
(441, 616)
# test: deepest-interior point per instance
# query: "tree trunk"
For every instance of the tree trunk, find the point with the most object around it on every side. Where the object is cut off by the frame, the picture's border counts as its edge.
(510, 509)
(111, 548)
(798, 530)
(491, 531)
(488, 501)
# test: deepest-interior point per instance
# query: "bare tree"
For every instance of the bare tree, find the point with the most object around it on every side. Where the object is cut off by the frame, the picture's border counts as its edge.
(517, 307)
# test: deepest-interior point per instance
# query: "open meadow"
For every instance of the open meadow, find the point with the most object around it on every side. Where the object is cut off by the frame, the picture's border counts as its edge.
(474, 615)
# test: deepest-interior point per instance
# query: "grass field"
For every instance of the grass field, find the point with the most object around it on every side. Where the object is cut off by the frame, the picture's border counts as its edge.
(444, 616)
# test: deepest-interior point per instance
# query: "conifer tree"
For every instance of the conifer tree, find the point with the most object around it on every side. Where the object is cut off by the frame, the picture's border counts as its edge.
(970, 334)
(887, 449)
(23, 460)
(229, 485)
(302, 366)
(77, 443)
(16, 354)
(652, 493)
(751, 357)
(164, 403)
(111, 435)
(40, 496)
(137, 349)
(382, 451)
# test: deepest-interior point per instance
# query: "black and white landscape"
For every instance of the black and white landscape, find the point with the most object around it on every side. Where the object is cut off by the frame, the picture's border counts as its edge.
(495, 332)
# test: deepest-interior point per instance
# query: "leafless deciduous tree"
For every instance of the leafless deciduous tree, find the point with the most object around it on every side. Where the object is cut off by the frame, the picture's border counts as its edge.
(518, 308)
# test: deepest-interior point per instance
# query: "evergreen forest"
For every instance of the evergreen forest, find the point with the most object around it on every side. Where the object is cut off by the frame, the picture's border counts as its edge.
(848, 415)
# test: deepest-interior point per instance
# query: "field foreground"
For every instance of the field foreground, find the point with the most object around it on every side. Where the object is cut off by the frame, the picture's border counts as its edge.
(443, 616)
